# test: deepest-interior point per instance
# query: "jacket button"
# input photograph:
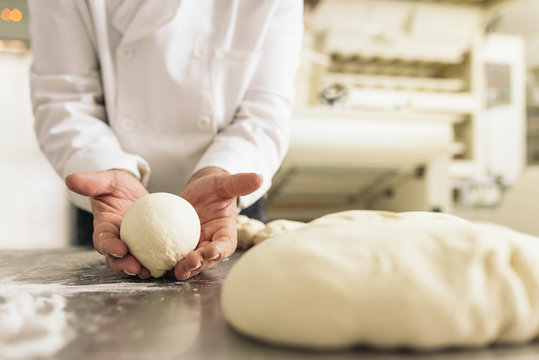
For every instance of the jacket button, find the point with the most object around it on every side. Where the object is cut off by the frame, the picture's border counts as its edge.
(127, 52)
(198, 53)
(219, 54)
(204, 123)
(128, 124)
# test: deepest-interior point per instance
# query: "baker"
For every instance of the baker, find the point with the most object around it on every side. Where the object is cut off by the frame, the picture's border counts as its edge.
(189, 97)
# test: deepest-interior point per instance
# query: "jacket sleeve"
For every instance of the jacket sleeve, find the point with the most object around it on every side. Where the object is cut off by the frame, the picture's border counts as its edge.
(258, 138)
(67, 96)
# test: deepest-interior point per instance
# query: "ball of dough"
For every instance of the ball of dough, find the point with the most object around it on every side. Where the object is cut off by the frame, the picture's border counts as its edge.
(253, 232)
(247, 230)
(160, 229)
(276, 227)
(420, 280)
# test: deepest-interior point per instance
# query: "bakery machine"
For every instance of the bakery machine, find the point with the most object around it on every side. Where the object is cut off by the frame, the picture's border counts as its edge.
(402, 105)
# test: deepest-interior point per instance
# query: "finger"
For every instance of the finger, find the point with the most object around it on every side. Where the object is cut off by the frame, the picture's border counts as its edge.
(218, 250)
(212, 255)
(181, 273)
(109, 244)
(126, 266)
(194, 265)
(144, 273)
(112, 221)
(192, 262)
(208, 227)
(106, 239)
(239, 185)
(207, 255)
(91, 183)
(222, 246)
(206, 265)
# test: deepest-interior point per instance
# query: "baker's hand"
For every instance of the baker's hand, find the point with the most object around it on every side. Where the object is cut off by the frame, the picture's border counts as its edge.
(111, 193)
(213, 193)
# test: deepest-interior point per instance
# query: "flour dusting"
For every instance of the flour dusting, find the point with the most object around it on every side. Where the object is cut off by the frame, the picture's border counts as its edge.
(32, 325)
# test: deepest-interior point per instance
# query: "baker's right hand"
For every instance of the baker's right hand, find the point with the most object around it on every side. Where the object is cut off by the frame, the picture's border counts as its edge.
(111, 193)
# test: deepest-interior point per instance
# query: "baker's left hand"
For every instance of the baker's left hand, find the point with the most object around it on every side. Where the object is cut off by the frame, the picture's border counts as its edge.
(213, 193)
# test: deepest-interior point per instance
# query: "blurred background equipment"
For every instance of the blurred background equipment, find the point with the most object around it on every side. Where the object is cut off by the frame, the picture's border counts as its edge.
(404, 105)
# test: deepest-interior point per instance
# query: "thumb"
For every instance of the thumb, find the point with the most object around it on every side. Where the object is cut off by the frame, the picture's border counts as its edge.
(241, 184)
(91, 184)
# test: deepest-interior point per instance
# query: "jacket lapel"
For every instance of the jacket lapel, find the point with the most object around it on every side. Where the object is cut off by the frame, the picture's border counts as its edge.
(149, 16)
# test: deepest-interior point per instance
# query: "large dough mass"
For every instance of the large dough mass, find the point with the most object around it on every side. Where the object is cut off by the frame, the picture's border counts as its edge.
(420, 280)
(160, 229)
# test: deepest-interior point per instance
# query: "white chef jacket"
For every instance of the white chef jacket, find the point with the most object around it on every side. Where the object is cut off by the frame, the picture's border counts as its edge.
(164, 87)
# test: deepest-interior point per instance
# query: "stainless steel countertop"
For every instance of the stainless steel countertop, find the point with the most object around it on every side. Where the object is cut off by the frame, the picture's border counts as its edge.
(110, 317)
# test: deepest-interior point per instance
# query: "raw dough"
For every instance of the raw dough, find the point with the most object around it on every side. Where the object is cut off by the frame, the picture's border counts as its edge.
(247, 230)
(276, 227)
(159, 230)
(419, 280)
(252, 232)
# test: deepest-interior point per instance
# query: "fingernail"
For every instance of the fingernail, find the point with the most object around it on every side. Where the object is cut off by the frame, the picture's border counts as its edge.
(214, 257)
(143, 277)
(187, 277)
(197, 267)
(128, 273)
(115, 255)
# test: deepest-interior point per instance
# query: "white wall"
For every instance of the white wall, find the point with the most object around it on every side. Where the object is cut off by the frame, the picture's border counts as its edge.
(34, 207)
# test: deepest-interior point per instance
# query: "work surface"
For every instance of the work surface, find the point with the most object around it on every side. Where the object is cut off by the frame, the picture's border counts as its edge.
(91, 313)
